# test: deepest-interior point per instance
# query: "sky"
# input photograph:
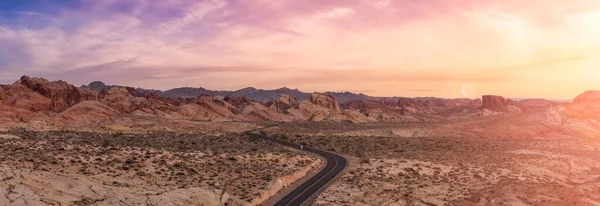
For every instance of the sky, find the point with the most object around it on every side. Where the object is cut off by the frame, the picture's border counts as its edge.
(442, 48)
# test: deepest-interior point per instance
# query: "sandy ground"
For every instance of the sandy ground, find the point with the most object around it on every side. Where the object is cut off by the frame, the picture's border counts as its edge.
(90, 168)
(405, 169)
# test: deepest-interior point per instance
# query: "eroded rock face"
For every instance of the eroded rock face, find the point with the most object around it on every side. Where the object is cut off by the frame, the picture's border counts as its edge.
(61, 93)
(500, 104)
(411, 106)
(262, 112)
(326, 101)
(237, 101)
(118, 98)
(409, 102)
(122, 100)
(361, 106)
(218, 105)
(284, 102)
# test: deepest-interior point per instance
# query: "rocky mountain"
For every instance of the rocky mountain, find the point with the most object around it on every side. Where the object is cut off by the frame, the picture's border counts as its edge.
(40, 103)
(98, 86)
(59, 103)
(252, 93)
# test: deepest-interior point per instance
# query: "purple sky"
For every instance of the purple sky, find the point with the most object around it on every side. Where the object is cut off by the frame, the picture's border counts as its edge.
(446, 48)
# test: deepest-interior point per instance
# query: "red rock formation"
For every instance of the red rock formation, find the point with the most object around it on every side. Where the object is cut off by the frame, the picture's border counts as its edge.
(133, 92)
(122, 100)
(499, 104)
(326, 101)
(217, 105)
(61, 93)
(409, 102)
(585, 106)
(239, 102)
(388, 102)
(362, 106)
(19, 96)
(587, 97)
(148, 95)
(410, 106)
(284, 102)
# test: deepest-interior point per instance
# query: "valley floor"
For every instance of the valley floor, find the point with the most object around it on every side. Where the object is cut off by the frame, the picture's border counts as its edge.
(440, 170)
(391, 163)
(161, 168)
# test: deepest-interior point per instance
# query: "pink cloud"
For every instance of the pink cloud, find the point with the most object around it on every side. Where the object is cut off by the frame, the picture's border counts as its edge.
(299, 42)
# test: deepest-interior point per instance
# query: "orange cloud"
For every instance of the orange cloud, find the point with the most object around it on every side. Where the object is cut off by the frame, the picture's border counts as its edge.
(504, 47)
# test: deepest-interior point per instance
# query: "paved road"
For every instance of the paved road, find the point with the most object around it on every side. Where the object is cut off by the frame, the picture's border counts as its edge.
(302, 194)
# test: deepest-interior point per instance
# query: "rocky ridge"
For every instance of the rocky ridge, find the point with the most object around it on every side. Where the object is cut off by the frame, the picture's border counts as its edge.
(260, 95)
(39, 103)
(57, 102)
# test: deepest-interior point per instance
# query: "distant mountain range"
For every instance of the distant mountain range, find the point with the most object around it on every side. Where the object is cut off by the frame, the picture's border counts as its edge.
(252, 93)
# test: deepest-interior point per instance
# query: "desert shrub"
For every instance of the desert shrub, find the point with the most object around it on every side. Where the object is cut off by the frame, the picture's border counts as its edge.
(16, 130)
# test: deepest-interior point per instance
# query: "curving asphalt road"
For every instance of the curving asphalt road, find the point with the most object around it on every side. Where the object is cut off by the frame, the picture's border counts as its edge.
(303, 194)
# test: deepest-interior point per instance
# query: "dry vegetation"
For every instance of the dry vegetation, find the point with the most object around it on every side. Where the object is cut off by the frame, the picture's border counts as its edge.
(455, 170)
(235, 169)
